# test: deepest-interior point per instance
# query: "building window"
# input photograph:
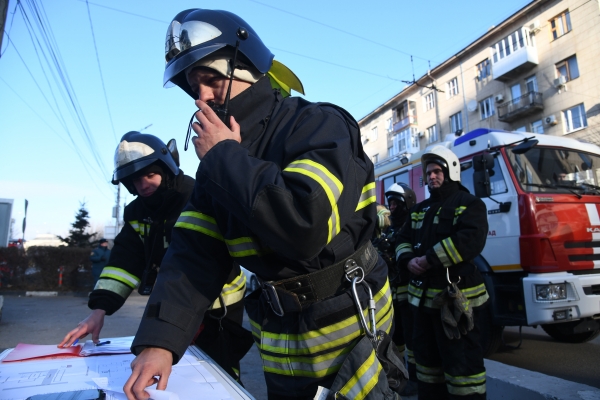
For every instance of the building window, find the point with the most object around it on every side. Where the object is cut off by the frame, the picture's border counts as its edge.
(483, 69)
(456, 122)
(391, 151)
(560, 25)
(568, 68)
(531, 84)
(375, 158)
(390, 124)
(432, 136)
(521, 129)
(429, 102)
(452, 88)
(486, 108)
(373, 134)
(575, 118)
(537, 126)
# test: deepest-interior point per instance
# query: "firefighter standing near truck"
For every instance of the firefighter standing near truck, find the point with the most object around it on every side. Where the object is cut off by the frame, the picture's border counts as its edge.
(283, 187)
(446, 291)
(400, 198)
(149, 169)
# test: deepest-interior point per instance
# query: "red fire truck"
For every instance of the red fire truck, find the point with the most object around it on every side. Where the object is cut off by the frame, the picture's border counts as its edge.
(541, 262)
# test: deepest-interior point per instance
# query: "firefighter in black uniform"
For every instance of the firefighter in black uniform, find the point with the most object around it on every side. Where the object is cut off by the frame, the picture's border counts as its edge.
(400, 198)
(285, 188)
(149, 169)
(445, 233)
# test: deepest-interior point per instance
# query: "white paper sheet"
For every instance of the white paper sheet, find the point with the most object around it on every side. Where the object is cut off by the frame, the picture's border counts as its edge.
(189, 378)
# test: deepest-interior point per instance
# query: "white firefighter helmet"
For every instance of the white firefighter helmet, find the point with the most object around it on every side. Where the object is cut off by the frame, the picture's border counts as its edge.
(445, 158)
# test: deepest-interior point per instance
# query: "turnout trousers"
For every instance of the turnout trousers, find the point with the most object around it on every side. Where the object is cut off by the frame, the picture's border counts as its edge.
(447, 369)
(302, 350)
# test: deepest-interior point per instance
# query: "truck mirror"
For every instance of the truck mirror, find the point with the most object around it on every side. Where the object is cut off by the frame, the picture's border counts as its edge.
(483, 161)
(481, 183)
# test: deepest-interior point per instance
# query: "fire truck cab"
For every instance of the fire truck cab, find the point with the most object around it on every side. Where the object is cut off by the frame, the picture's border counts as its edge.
(541, 262)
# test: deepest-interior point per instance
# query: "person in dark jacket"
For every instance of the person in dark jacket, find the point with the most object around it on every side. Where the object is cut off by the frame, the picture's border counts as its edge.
(149, 169)
(446, 232)
(99, 258)
(285, 188)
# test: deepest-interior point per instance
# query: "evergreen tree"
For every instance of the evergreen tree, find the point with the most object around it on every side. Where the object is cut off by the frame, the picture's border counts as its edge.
(77, 234)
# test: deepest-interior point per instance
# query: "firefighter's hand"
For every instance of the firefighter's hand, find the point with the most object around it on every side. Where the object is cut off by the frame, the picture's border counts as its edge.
(418, 265)
(210, 130)
(152, 365)
(92, 324)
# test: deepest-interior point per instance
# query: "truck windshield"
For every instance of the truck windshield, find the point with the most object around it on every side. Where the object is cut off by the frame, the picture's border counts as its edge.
(556, 170)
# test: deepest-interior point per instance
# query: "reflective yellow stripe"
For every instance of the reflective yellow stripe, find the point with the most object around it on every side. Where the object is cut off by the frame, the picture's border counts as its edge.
(232, 292)
(466, 385)
(417, 219)
(441, 254)
(294, 354)
(367, 197)
(239, 247)
(140, 228)
(403, 248)
(476, 295)
(363, 380)
(120, 275)
(116, 287)
(199, 222)
(451, 250)
(330, 184)
(458, 212)
(430, 374)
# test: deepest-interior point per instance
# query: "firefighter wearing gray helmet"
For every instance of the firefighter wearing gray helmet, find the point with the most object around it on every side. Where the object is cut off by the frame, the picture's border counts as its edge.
(446, 232)
(149, 169)
(285, 189)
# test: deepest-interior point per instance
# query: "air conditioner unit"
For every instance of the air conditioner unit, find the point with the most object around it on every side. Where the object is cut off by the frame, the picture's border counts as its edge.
(421, 134)
(534, 26)
(499, 98)
(551, 120)
(560, 81)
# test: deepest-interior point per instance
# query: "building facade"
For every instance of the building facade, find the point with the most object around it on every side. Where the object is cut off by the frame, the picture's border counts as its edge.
(537, 71)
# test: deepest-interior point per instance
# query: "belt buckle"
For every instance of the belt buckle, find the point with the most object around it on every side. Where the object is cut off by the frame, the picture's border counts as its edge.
(273, 299)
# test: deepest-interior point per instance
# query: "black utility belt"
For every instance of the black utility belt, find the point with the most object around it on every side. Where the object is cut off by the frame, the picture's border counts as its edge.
(291, 295)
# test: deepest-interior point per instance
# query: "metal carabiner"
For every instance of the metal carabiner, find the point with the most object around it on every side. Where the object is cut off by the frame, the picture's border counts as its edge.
(448, 277)
(373, 332)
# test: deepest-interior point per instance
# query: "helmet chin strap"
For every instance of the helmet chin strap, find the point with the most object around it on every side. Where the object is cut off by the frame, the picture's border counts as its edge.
(222, 111)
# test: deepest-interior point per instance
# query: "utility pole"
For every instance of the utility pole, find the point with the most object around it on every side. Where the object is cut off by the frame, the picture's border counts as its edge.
(3, 12)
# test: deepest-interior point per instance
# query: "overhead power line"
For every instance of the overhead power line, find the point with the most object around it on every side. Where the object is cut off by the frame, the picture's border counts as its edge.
(112, 125)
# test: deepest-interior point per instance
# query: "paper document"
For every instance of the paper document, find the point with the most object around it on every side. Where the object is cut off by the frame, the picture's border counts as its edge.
(191, 378)
(116, 346)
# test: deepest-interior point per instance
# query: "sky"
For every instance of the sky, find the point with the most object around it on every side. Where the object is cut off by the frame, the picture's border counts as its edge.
(63, 112)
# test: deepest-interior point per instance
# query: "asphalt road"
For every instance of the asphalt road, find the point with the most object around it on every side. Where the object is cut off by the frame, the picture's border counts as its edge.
(539, 352)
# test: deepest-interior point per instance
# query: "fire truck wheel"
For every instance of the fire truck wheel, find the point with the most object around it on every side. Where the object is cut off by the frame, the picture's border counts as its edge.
(491, 335)
(563, 332)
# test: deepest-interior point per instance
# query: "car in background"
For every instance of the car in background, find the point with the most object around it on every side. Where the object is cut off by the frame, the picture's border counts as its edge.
(252, 282)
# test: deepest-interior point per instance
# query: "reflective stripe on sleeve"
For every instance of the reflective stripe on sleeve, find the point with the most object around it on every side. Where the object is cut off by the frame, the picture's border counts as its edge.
(200, 223)
(330, 184)
(232, 292)
(114, 286)
(120, 275)
(403, 248)
(367, 196)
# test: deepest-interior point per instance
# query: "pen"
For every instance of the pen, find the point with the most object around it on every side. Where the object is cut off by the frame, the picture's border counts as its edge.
(102, 343)
(75, 342)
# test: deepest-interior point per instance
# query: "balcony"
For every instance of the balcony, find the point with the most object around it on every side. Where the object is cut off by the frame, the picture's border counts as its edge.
(405, 122)
(520, 107)
(514, 55)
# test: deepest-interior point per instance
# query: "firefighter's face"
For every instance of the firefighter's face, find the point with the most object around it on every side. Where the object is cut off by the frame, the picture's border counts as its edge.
(147, 184)
(435, 176)
(393, 205)
(211, 86)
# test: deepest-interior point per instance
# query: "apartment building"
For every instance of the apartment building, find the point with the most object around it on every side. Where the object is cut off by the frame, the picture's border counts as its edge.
(537, 71)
